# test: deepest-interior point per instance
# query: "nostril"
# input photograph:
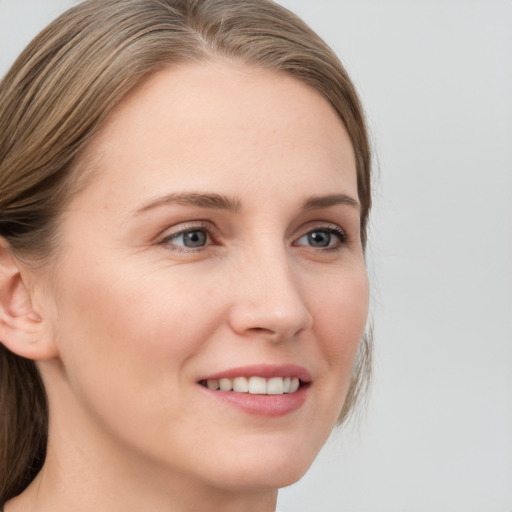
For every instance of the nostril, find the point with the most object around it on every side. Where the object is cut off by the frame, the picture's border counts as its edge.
(266, 333)
(262, 329)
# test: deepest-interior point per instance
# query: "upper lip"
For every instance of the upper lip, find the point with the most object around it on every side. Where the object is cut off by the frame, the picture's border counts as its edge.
(263, 370)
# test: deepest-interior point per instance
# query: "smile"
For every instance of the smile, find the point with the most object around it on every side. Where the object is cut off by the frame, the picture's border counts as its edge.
(255, 385)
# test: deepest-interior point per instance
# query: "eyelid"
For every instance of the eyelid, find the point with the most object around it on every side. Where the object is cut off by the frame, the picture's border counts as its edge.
(174, 232)
(201, 225)
(334, 229)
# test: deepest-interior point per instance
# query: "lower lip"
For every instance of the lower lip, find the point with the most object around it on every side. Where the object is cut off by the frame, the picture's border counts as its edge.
(271, 406)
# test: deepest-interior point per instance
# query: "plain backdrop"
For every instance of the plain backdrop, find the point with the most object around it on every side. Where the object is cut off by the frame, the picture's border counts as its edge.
(436, 80)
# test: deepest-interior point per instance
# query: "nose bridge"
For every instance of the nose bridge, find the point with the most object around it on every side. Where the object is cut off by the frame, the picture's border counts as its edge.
(269, 299)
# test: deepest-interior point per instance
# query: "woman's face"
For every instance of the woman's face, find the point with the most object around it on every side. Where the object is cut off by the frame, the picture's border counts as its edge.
(217, 244)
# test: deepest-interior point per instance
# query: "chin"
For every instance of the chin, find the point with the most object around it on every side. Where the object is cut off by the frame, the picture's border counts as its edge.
(263, 478)
(264, 469)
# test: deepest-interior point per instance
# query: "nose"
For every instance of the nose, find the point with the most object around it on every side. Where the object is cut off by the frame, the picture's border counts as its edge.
(268, 301)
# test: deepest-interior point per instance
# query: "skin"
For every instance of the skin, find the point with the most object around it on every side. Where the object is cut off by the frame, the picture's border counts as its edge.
(130, 319)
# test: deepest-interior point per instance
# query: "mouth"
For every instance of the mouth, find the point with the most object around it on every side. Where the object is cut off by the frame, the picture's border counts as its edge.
(262, 390)
(256, 385)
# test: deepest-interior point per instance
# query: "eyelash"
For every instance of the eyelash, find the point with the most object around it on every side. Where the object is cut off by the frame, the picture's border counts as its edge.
(340, 234)
(199, 227)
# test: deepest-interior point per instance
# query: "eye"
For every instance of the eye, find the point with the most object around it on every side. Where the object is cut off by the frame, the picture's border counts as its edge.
(190, 238)
(323, 238)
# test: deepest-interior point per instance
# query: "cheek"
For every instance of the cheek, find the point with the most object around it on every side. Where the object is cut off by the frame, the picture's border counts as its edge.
(126, 340)
(340, 313)
(130, 331)
(340, 309)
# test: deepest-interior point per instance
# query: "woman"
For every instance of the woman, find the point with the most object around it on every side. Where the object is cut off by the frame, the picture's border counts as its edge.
(184, 193)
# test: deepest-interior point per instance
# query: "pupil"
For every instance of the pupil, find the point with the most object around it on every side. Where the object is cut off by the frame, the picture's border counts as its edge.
(319, 239)
(194, 239)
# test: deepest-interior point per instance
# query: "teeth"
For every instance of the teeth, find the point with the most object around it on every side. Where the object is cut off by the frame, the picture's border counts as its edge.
(213, 384)
(294, 385)
(240, 385)
(275, 386)
(256, 385)
(226, 384)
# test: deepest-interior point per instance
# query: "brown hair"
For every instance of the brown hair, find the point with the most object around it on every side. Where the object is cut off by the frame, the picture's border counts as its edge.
(55, 98)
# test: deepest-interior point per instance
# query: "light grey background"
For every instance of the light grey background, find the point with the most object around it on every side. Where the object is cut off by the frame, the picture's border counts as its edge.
(436, 79)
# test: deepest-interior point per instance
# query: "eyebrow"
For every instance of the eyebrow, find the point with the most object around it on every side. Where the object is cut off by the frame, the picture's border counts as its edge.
(214, 201)
(199, 199)
(319, 202)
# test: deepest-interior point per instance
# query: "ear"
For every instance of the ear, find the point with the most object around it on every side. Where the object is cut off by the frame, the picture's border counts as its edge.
(23, 330)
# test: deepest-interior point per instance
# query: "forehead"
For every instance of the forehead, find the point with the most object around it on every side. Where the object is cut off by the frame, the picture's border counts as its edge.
(219, 125)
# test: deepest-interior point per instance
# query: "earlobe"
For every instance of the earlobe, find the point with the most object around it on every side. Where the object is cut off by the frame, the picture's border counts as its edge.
(22, 328)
